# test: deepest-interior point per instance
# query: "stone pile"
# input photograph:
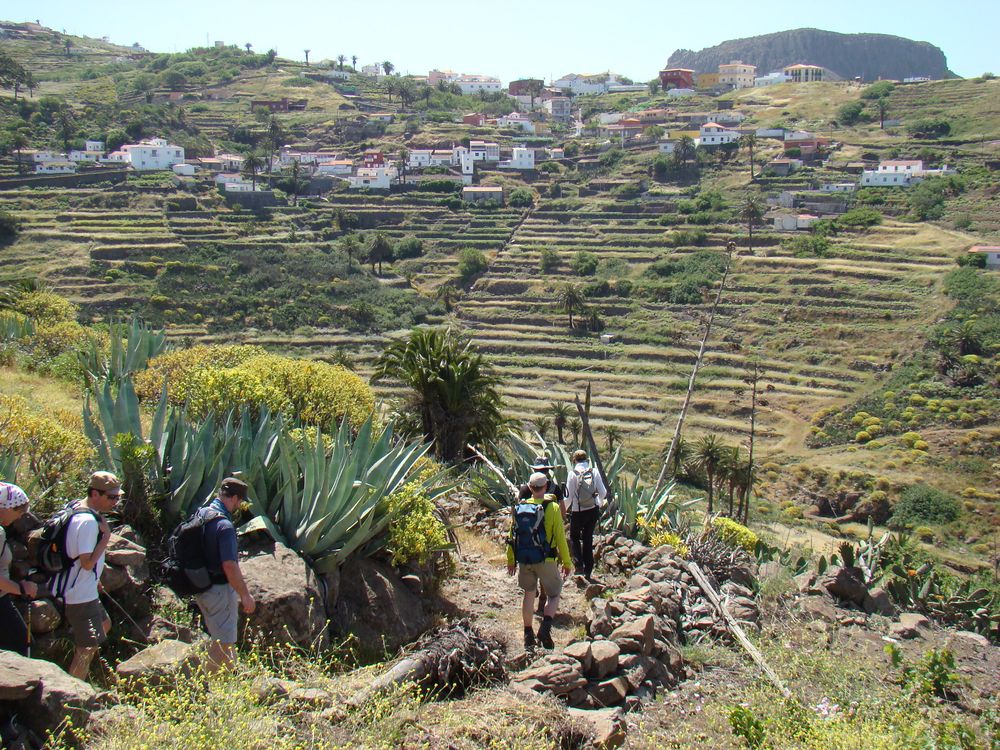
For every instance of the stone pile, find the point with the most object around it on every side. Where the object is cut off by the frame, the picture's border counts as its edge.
(618, 553)
(634, 638)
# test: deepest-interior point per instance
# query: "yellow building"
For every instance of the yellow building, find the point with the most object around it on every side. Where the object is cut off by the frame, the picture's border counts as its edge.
(737, 74)
(804, 73)
(708, 80)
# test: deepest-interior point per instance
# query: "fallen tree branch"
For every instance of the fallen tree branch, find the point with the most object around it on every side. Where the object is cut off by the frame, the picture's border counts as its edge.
(735, 627)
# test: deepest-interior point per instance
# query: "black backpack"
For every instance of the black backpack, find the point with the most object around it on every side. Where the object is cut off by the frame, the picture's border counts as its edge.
(51, 557)
(185, 569)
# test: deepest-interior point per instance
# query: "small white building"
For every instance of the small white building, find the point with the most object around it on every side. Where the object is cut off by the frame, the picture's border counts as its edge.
(895, 173)
(151, 154)
(473, 84)
(518, 121)
(239, 187)
(337, 75)
(837, 187)
(729, 117)
(418, 158)
(44, 156)
(484, 150)
(374, 70)
(714, 134)
(668, 145)
(55, 167)
(93, 146)
(992, 253)
(482, 194)
(91, 157)
(680, 93)
(597, 83)
(559, 108)
(340, 167)
(230, 162)
(771, 79)
(373, 178)
(521, 158)
(786, 222)
(556, 153)
(184, 170)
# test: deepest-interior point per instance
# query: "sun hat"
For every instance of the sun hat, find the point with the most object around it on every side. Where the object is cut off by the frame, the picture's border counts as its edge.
(541, 462)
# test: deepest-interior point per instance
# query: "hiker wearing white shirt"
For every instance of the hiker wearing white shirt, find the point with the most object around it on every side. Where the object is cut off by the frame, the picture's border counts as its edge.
(87, 537)
(585, 495)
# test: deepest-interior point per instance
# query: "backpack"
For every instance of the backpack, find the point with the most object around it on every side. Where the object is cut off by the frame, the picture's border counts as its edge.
(528, 538)
(51, 556)
(586, 489)
(185, 569)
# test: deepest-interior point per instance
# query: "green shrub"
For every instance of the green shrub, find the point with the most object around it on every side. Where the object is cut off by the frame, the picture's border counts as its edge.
(878, 90)
(929, 127)
(521, 198)
(415, 532)
(735, 534)
(850, 113)
(548, 260)
(10, 225)
(922, 504)
(408, 247)
(584, 263)
(471, 263)
(860, 217)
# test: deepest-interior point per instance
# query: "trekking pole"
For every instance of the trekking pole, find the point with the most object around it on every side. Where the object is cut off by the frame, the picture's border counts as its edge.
(27, 623)
(139, 630)
(493, 467)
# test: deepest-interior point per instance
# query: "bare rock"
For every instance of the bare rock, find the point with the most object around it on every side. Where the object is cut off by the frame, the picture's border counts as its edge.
(914, 620)
(901, 631)
(114, 578)
(162, 660)
(845, 583)
(608, 725)
(581, 651)
(819, 608)
(554, 673)
(42, 694)
(636, 637)
(44, 616)
(609, 692)
(878, 602)
(124, 553)
(605, 658)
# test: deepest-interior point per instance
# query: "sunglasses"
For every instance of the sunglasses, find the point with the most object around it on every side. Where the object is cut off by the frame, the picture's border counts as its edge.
(113, 495)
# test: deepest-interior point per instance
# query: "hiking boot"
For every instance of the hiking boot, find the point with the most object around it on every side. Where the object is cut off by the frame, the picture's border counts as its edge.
(545, 635)
(529, 639)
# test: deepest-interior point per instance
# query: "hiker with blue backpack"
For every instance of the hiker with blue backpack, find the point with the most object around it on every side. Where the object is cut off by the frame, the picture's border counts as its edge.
(585, 495)
(537, 550)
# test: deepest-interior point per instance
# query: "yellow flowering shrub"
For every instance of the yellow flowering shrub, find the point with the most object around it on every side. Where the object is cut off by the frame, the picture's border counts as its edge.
(735, 534)
(415, 532)
(660, 538)
(46, 307)
(176, 366)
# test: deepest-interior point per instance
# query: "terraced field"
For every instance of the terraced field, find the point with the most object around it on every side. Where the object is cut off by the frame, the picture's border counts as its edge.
(806, 319)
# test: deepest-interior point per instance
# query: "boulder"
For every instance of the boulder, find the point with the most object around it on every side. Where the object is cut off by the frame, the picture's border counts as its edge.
(878, 602)
(608, 725)
(636, 637)
(744, 609)
(609, 692)
(155, 663)
(554, 673)
(819, 608)
(114, 578)
(605, 658)
(123, 553)
(44, 616)
(903, 632)
(290, 607)
(914, 621)
(581, 651)
(161, 629)
(42, 694)
(377, 608)
(845, 583)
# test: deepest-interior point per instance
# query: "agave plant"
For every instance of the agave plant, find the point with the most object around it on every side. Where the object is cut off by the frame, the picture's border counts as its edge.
(332, 501)
(14, 326)
(8, 466)
(635, 502)
(131, 346)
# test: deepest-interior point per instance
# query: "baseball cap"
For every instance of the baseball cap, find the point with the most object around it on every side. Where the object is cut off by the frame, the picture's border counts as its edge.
(234, 487)
(106, 482)
(538, 480)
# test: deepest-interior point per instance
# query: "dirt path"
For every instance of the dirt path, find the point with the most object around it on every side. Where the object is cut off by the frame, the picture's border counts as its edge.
(482, 591)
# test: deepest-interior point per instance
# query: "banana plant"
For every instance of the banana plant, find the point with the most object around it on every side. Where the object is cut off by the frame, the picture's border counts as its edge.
(332, 499)
(131, 345)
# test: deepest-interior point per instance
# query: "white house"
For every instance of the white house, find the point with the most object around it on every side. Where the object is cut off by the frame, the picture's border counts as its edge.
(558, 108)
(518, 121)
(85, 156)
(729, 117)
(521, 158)
(239, 187)
(786, 222)
(680, 93)
(184, 170)
(713, 134)
(484, 150)
(837, 187)
(419, 158)
(230, 162)
(93, 146)
(340, 167)
(55, 167)
(599, 83)
(375, 69)
(44, 156)
(556, 153)
(482, 193)
(668, 145)
(337, 75)
(917, 79)
(154, 153)
(992, 253)
(771, 79)
(473, 84)
(375, 178)
(892, 173)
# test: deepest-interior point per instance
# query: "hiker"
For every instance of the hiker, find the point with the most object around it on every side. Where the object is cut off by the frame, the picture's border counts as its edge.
(87, 537)
(542, 465)
(537, 540)
(585, 495)
(13, 630)
(220, 603)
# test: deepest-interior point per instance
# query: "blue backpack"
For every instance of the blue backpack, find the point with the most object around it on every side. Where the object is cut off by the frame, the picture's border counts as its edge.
(529, 541)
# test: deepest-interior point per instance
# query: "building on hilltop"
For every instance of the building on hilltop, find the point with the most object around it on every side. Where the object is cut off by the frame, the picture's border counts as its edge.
(151, 154)
(518, 121)
(900, 173)
(588, 83)
(559, 108)
(714, 134)
(374, 178)
(801, 73)
(521, 158)
(737, 74)
(677, 78)
(771, 79)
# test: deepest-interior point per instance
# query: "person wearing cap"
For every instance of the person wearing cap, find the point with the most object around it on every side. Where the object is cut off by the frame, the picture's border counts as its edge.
(220, 604)
(547, 572)
(13, 630)
(542, 465)
(584, 509)
(87, 537)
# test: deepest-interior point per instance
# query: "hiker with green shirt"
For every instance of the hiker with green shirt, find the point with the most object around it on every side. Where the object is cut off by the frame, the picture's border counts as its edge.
(537, 540)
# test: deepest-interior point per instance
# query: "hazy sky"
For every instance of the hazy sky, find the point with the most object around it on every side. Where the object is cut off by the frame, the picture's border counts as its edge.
(514, 38)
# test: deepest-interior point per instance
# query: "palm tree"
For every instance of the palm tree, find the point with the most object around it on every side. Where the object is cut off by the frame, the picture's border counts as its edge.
(248, 46)
(354, 62)
(307, 51)
(426, 93)
(351, 245)
(613, 436)
(883, 109)
(708, 457)
(575, 426)
(340, 61)
(252, 165)
(679, 457)
(542, 426)
(67, 125)
(730, 472)
(388, 67)
(751, 210)
(68, 46)
(570, 300)
(18, 142)
(390, 87)
(448, 294)
(749, 142)
(453, 389)
(684, 151)
(967, 338)
(379, 249)
(560, 417)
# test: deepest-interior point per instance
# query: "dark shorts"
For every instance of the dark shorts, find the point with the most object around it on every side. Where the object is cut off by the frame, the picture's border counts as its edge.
(87, 622)
(13, 631)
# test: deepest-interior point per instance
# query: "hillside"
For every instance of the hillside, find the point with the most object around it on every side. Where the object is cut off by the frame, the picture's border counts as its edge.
(870, 56)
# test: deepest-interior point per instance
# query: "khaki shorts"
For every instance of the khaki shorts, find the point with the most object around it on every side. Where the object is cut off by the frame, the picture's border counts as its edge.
(547, 572)
(87, 622)
(220, 608)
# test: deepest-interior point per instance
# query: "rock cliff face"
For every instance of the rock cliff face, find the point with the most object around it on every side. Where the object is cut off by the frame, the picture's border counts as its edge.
(870, 56)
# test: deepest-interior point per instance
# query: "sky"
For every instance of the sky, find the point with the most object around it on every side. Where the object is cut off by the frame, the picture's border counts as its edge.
(515, 38)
